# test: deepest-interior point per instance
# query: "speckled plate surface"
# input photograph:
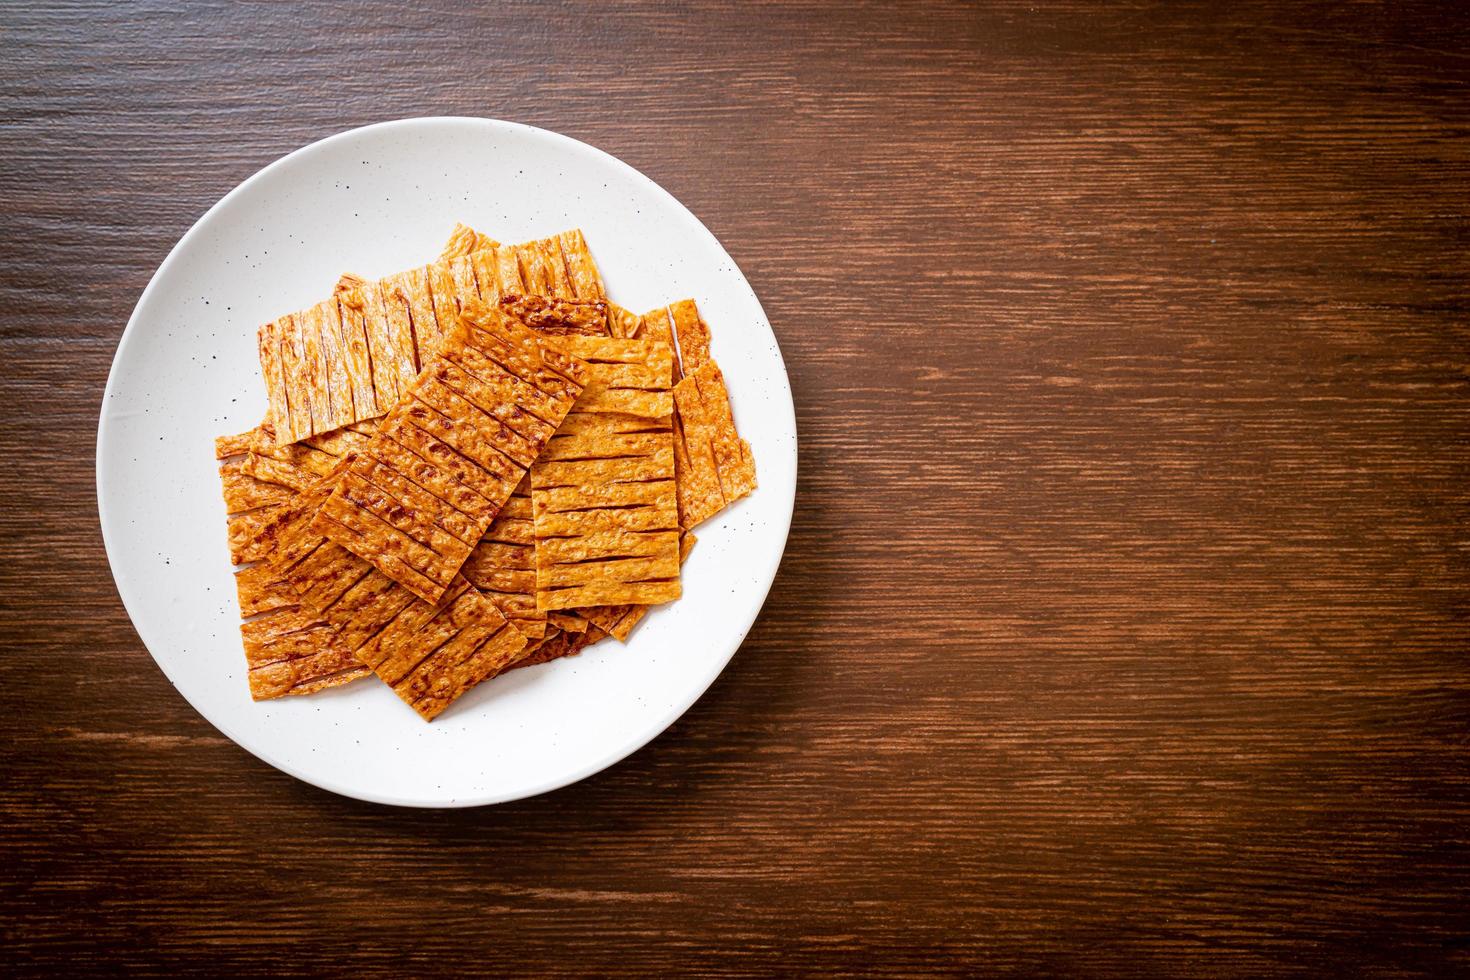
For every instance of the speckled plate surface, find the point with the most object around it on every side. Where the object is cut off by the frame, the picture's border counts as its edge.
(374, 201)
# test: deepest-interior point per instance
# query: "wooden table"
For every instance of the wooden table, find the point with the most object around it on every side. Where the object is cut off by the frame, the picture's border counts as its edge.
(1124, 622)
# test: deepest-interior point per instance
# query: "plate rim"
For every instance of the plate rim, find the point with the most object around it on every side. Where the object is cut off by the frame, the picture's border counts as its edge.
(623, 751)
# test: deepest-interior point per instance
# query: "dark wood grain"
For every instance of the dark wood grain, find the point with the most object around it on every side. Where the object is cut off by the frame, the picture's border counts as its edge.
(1124, 626)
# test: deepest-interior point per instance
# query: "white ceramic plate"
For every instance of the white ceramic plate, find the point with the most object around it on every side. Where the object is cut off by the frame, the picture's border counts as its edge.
(374, 201)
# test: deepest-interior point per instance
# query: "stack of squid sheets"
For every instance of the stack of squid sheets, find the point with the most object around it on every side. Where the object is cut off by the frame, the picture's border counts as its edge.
(472, 466)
